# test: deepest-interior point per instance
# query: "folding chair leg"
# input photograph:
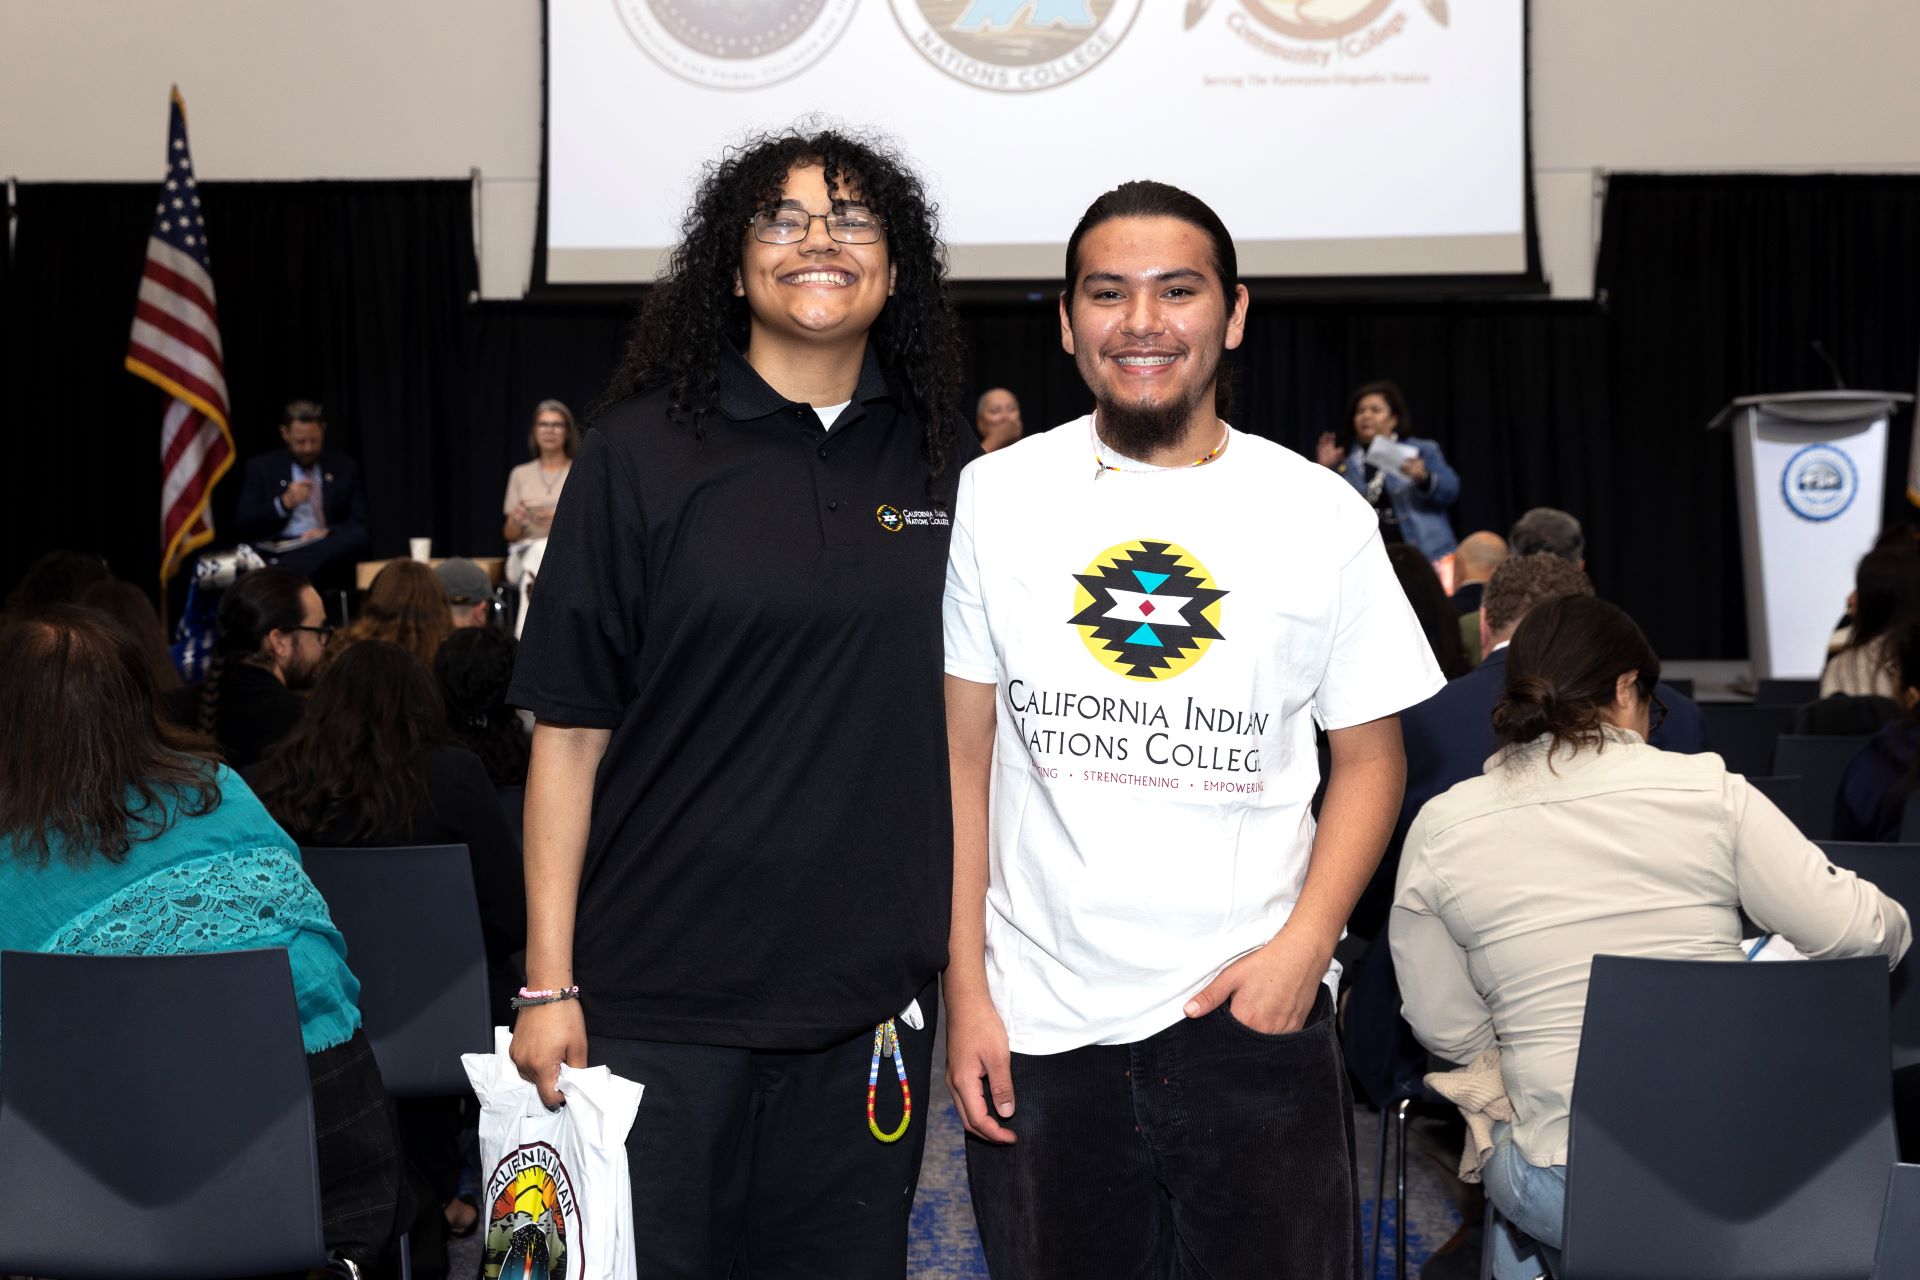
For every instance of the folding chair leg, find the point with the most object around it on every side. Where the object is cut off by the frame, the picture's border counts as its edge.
(406, 1257)
(1379, 1198)
(1400, 1191)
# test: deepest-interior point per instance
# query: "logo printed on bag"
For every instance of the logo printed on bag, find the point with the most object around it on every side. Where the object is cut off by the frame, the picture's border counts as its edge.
(1147, 610)
(530, 1198)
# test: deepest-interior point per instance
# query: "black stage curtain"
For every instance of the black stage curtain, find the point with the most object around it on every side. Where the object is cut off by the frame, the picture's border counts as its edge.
(358, 294)
(1718, 286)
(351, 293)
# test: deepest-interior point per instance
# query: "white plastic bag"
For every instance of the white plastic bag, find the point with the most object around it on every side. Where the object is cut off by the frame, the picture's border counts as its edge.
(559, 1204)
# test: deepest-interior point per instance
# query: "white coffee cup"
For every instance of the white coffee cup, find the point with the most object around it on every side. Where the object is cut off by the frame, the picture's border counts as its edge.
(421, 548)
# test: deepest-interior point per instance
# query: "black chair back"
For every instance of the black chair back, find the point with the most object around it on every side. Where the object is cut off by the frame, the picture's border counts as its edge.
(155, 1117)
(412, 926)
(1785, 693)
(1786, 793)
(1730, 1121)
(1743, 734)
(1898, 1257)
(1820, 762)
(1894, 869)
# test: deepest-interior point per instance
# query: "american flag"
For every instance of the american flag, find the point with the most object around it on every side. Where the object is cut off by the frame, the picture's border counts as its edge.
(175, 345)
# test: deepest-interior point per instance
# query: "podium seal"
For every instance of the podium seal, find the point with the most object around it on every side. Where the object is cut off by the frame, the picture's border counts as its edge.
(1819, 482)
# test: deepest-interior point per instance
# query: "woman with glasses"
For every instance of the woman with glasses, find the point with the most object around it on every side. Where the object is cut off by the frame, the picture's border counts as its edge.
(270, 636)
(533, 490)
(738, 843)
(1581, 839)
(1411, 497)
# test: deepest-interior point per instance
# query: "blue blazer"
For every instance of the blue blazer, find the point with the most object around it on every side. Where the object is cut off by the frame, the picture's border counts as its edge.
(1448, 739)
(259, 518)
(1421, 509)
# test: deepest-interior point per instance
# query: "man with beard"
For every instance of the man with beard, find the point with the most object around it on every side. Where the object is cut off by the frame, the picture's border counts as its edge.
(270, 634)
(1148, 612)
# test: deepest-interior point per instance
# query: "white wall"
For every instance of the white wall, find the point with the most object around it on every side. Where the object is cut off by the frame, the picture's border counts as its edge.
(436, 88)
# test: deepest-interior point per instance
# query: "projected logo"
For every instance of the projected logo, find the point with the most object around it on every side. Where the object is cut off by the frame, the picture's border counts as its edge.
(735, 44)
(1819, 482)
(1316, 32)
(1015, 46)
(1146, 610)
(530, 1197)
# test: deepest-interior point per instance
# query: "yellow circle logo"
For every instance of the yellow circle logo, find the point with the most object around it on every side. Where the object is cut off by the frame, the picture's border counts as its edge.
(1147, 610)
(890, 518)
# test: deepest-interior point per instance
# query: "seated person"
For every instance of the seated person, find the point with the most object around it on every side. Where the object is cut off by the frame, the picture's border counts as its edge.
(129, 606)
(1886, 595)
(270, 635)
(474, 668)
(407, 606)
(58, 577)
(1511, 883)
(1874, 789)
(1449, 737)
(996, 419)
(1438, 621)
(372, 763)
(119, 831)
(308, 494)
(469, 592)
(1474, 561)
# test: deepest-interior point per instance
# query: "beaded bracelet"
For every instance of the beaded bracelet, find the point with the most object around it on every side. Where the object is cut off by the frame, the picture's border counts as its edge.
(528, 999)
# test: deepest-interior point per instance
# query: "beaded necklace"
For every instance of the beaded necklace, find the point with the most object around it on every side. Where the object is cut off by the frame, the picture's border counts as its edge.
(1102, 466)
(886, 1039)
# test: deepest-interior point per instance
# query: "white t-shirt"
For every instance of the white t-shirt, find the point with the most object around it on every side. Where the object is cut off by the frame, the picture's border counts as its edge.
(1162, 644)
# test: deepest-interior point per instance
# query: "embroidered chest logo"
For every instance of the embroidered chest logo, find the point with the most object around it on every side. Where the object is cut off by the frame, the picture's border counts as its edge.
(890, 519)
(1147, 610)
(530, 1196)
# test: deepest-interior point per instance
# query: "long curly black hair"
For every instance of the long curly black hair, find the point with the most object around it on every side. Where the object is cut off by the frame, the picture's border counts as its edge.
(675, 340)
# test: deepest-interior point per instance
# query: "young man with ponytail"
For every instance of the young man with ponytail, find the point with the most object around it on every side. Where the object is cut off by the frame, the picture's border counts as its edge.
(1148, 612)
(270, 635)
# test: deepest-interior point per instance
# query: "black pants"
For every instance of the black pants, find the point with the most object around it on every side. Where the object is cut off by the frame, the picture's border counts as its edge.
(359, 1153)
(1207, 1150)
(759, 1166)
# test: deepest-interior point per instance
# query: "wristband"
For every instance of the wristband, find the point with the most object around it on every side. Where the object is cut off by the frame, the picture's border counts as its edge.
(528, 999)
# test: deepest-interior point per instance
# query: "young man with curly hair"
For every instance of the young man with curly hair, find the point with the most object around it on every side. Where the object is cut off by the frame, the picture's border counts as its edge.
(738, 843)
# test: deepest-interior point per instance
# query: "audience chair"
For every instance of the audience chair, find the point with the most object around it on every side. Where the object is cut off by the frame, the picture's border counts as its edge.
(1730, 1121)
(156, 1118)
(1785, 693)
(1743, 735)
(1898, 1257)
(1895, 870)
(412, 926)
(1787, 793)
(1819, 762)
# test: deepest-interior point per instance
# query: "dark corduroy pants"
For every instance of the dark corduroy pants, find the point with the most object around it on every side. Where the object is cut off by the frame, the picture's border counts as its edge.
(1206, 1152)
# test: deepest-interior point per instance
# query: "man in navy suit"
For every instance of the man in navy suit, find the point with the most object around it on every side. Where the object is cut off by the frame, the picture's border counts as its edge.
(305, 495)
(1450, 736)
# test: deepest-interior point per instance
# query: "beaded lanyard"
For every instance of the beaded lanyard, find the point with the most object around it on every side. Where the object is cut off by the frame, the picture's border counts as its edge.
(887, 1039)
(1102, 466)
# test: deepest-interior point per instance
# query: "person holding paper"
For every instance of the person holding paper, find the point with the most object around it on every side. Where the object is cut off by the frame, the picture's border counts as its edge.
(1405, 479)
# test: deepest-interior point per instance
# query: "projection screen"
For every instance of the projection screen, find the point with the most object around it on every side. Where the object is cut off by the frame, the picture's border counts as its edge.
(1335, 137)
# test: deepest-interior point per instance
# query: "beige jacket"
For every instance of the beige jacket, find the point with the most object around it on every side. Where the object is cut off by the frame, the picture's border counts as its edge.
(1510, 884)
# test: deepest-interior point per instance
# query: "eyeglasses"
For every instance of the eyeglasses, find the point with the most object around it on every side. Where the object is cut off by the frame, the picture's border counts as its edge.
(1656, 713)
(790, 226)
(324, 631)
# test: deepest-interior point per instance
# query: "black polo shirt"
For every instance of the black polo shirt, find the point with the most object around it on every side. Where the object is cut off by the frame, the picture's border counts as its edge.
(756, 615)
